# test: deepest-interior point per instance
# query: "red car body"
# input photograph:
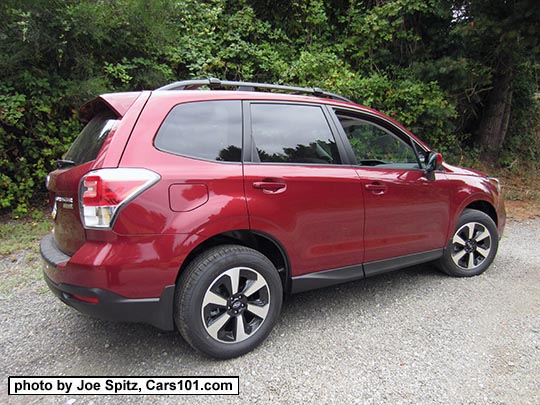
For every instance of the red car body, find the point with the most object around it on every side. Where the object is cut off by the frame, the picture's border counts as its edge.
(319, 224)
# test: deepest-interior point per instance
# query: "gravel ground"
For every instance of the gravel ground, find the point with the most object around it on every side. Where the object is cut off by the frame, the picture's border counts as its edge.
(413, 336)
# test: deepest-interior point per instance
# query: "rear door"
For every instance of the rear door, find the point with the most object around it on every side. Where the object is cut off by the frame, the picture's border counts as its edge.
(297, 188)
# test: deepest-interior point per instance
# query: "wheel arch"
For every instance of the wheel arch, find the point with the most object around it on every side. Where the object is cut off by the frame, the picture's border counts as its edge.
(259, 241)
(485, 207)
(475, 202)
(473, 251)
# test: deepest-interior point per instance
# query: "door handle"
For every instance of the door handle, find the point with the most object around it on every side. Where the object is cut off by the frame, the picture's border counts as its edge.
(376, 188)
(270, 187)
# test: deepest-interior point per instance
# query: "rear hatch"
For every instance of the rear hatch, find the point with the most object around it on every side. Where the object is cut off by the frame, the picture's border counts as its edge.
(102, 116)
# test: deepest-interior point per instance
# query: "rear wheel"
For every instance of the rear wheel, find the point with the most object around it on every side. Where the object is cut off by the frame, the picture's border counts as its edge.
(228, 300)
(473, 245)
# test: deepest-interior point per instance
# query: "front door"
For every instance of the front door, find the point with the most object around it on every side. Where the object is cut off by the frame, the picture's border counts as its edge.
(406, 214)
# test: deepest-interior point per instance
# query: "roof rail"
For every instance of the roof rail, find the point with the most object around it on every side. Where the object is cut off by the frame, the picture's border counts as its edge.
(216, 84)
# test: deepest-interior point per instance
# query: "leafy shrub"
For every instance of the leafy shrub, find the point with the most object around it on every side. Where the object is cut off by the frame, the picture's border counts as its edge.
(423, 62)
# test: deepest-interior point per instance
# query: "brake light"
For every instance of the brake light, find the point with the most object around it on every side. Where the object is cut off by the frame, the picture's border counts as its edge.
(103, 192)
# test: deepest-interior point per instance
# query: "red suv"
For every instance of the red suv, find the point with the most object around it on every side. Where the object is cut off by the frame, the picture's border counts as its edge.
(200, 209)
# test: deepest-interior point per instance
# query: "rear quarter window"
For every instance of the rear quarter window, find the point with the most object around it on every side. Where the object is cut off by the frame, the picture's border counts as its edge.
(210, 130)
(89, 142)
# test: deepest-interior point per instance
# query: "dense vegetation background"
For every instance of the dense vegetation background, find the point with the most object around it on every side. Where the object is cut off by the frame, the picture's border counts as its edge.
(461, 74)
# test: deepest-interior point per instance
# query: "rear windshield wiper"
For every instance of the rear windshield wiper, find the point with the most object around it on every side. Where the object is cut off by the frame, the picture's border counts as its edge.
(61, 163)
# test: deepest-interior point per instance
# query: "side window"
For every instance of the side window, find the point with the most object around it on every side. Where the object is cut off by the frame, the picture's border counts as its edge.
(373, 145)
(286, 133)
(207, 130)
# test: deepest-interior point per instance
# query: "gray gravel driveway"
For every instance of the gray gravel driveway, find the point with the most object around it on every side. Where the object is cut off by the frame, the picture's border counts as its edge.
(412, 336)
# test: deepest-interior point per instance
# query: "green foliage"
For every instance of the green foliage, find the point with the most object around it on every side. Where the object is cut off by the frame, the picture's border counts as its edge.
(59, 54)
(384, 34)
(522, 146)
(427, 63)
(32, 136)
(422, 107)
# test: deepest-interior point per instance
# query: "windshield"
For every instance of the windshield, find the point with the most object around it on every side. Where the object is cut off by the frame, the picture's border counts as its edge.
(87, 145)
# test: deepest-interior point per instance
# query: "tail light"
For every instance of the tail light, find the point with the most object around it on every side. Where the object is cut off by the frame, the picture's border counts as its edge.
(103, 192)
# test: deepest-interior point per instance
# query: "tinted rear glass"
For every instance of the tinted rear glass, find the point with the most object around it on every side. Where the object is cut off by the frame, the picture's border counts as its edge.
(293, 134)
(208, 130)
(87, 145)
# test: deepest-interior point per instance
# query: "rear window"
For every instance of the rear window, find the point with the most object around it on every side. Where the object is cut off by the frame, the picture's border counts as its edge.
(87, 145)
(210, 130)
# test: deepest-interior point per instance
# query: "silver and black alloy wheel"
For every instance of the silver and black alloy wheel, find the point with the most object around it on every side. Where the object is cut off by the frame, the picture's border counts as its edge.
(227, 300)
(471, 245)
(235, 305)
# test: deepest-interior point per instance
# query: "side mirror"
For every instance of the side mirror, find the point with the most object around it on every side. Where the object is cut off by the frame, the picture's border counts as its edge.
(434, 161)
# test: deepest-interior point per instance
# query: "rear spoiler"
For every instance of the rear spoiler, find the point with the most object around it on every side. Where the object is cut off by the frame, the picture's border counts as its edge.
(117, 102)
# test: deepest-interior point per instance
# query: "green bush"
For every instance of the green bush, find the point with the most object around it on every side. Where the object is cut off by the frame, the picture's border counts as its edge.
(416, 60)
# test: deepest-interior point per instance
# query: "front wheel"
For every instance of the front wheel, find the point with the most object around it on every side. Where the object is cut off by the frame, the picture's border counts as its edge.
(228, 300)
(473, 245)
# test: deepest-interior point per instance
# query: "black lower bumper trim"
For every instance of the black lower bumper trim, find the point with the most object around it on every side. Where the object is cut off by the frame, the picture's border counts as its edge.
(154, 311)
(50, 252)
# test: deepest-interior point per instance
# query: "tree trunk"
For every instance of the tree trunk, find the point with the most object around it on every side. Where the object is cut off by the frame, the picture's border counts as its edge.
(494, 124)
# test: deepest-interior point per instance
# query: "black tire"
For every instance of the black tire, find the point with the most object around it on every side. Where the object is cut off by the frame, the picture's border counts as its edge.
(214, 318)
(473, 245)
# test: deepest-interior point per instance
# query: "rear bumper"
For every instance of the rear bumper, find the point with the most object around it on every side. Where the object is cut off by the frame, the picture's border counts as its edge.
(104, 304)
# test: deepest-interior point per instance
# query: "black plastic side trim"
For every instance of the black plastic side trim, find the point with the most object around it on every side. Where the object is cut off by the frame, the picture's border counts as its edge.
(50, 252)
(154, 311)
(283, 253)
(382, 266)
(326, 278)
